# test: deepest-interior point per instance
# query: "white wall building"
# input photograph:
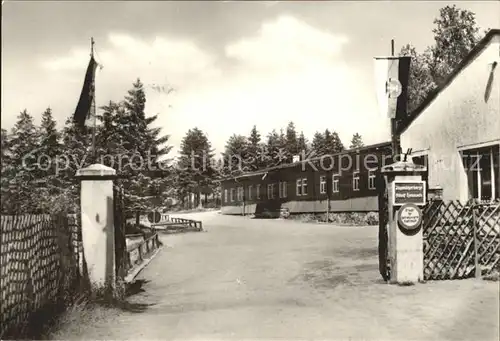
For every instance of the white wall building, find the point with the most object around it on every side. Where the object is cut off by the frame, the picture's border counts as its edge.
(456, 131)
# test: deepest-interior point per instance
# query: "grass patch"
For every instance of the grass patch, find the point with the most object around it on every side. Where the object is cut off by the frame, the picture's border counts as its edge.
(493, 277)
(94, 307)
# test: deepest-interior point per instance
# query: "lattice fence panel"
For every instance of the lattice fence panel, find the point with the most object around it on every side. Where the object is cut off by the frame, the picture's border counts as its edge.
(488, 248)
(457, 237)
(38, 266)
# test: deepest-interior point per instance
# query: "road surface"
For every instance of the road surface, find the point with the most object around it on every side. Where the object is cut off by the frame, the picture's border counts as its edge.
(247, 279)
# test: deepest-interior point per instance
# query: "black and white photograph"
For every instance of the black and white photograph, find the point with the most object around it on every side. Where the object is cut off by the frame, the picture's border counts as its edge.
(250, 170)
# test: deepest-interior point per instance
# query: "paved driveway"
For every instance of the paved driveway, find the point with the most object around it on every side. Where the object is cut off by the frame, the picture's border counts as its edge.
(264, 279)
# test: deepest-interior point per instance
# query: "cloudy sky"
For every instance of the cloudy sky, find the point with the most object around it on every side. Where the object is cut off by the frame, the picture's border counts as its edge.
(232, 64)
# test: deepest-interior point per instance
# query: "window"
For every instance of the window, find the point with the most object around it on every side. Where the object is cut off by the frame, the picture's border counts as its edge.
(232, 194)
(322, 184)
(240, 193)
(283, 189)
(421, 160)
(225, 195)
(270, 191)
(335, 183)
(304, 186)
(257, 191)
(355, 180)
(249, 192)
(299, 187)
(371, 179)
(482, 167)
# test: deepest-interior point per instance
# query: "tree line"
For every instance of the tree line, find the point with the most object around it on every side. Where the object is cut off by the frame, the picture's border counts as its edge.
(39, 163)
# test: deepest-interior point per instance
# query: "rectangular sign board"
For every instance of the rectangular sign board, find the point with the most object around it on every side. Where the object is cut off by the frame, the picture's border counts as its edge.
(409, 192)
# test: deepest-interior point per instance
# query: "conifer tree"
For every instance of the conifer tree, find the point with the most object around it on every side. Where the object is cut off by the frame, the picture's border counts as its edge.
(333, 144)
(237, 158)
(356, 141)
(318, 144)
(195, 164)
(272, 149)
(50, 148)
(23, 171)
(302, 145)
(292, 142)
(256, 150)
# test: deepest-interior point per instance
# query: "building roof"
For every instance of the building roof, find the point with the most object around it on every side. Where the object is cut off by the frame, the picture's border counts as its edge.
(294, 164)
(480, 46)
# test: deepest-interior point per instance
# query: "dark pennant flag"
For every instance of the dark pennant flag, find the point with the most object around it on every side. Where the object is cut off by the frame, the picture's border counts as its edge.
(84, 106)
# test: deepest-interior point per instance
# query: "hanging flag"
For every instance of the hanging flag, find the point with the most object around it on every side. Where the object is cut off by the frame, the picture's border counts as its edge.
(391, 77)
(84, 106)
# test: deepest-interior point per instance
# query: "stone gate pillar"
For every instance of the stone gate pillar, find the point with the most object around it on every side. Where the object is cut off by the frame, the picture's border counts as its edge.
(406, 192)
(97, 216)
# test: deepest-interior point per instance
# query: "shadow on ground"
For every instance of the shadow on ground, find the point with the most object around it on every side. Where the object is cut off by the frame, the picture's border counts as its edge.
(331, 273)
(135, 287)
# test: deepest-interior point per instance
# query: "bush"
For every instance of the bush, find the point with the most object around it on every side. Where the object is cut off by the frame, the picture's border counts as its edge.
(371, 218)
(343, 218)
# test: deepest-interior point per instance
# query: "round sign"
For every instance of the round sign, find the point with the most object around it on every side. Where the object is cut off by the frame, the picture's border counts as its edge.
(393, 87)
(410, 217)
(154, 217)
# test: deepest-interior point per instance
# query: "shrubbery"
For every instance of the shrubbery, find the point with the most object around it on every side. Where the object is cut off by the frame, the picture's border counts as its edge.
(348, 218)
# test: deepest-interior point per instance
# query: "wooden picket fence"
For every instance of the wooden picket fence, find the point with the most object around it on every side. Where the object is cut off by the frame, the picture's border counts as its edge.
(461, 240)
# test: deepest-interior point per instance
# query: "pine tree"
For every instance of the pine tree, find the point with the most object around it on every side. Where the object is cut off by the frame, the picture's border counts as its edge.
(22, 173)
(77, 151)
(76, 154)
(5, 146)
(237, 158)
(6, 173)
(302, 145)
(283, 155)
(144, 147)
(356, 141)
(331, 143)
(292, 143)
(336, 144)
(50, 147)
(318, 144)
(272, 149)
(256, 150)
(195, 163)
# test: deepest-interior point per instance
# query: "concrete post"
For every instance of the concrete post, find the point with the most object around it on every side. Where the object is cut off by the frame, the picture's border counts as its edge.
(406, 191)
(98, 232)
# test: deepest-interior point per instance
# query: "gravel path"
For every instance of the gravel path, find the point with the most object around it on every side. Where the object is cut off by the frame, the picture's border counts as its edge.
(266, 279)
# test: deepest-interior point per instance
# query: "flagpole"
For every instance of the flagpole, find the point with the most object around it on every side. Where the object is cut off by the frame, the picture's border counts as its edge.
(94, 109)
(394, 142)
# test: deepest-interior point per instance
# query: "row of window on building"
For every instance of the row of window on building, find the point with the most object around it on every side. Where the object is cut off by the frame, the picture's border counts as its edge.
(301, 188)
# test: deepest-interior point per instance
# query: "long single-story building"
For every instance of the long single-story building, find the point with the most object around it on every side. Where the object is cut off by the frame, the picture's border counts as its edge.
(456, 130)
(341, 182)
